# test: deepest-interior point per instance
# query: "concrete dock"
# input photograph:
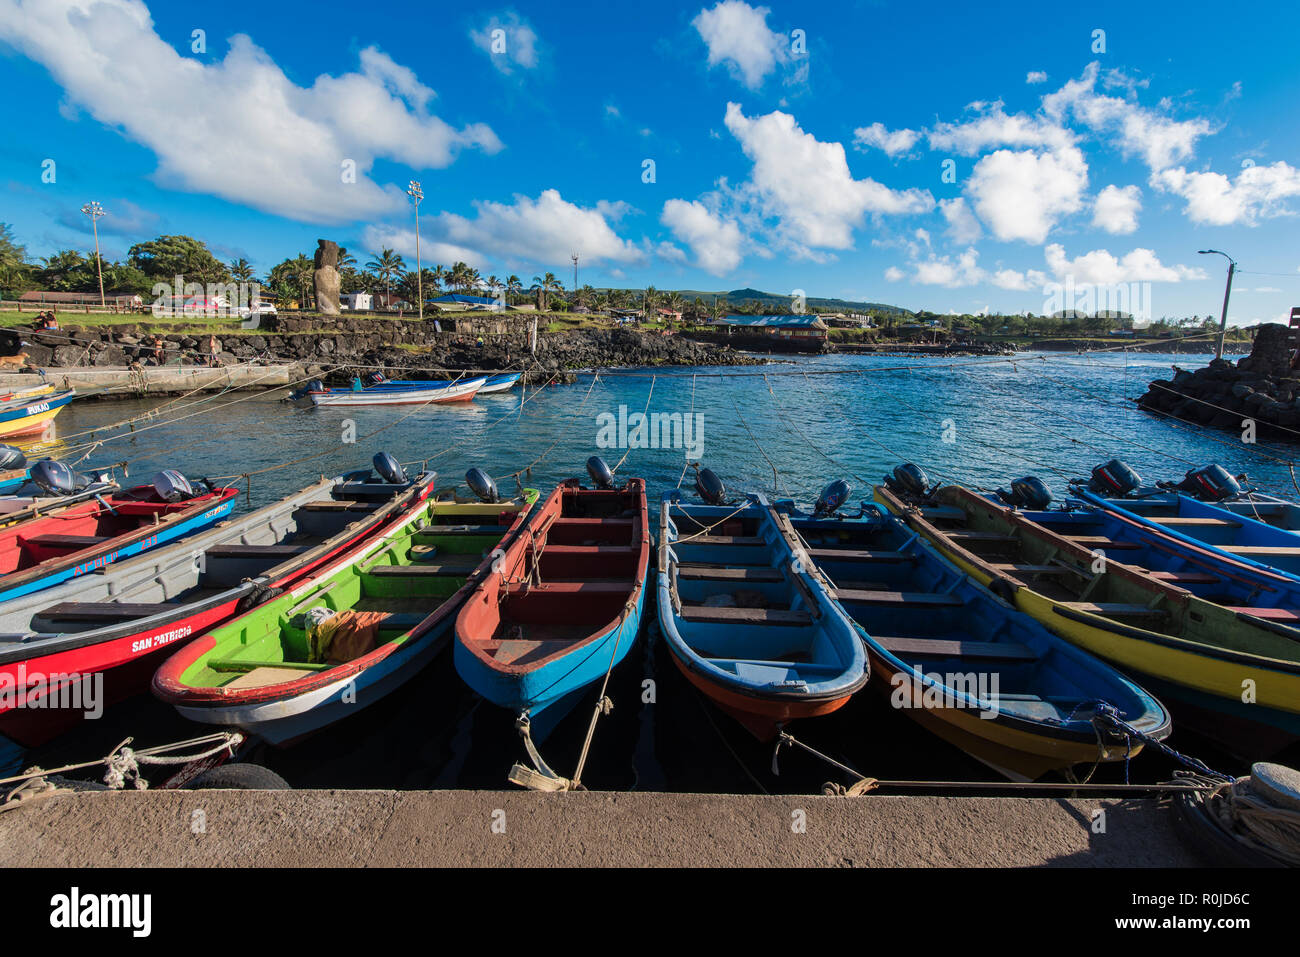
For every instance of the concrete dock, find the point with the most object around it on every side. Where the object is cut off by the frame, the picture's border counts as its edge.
(518, 828)
(160, 380)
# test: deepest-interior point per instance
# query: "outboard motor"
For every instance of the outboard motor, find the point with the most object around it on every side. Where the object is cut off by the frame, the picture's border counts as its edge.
(1114, 479)
(389, 469)
(172, 486)
(1210, 484)
(300, 394)
(481, 484)
(375, 378)
(710, 487)
(54, 478)
(909, 480)
(599, 472)
(832, 497)
(1029, 492)
(11, 458)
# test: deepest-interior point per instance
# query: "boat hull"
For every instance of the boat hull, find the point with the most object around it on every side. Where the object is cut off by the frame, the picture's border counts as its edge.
(34, 417)
(457, 392)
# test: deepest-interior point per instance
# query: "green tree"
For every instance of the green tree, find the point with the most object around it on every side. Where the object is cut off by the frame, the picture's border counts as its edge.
(240, 270)
(387, 267)
(166, 257)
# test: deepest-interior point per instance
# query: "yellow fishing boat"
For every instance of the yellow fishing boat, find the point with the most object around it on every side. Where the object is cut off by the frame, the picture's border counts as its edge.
(33, 416)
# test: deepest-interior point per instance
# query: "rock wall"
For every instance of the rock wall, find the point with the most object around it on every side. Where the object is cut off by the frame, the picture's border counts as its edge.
(1261, 386)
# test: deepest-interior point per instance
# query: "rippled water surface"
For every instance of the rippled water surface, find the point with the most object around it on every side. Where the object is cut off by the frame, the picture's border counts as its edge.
(789, 427)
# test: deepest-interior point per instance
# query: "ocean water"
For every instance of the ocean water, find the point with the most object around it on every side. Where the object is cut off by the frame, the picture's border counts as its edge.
(788, 427)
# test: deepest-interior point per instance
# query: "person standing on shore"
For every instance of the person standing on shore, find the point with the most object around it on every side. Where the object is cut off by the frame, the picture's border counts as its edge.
(214, 351)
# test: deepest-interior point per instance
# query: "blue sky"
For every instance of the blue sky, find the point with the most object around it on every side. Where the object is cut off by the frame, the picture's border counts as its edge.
(794, 146)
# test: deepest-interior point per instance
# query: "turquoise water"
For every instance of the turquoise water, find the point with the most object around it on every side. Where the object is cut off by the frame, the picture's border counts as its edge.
(1055, 418)
(812, 420)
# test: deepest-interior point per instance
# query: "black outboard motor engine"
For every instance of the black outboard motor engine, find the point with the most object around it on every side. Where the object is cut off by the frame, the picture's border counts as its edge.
(375, 378)
(710, 487)
(481, 484)
(1029, 492)
(389, 469)
(1113, 480)
(172, 486)
(1210, 484)
(909, 480)
(54, 478)
(832, 497)
(600, 472)
(11, 458)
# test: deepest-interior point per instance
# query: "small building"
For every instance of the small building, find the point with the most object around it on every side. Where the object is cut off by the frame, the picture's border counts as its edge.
(72, 300)
(357, 301)
(796, 333)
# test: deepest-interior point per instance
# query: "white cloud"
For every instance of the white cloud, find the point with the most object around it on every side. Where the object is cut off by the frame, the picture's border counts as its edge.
(716, 242)
(1160, 140)
(1116, 209)
(1101, 267)
(807, 184)
(1021, 195)
(993, 126)
(737, 35)
(894, 274)
(239, 128)
(890, 142)
(509, 41)
(1017, 281)
(1259, 192)
(1035, 76)
(543, 232)
(945, 271)
(963, 227)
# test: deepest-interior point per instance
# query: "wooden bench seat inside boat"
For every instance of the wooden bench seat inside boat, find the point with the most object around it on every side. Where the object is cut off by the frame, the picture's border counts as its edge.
(989, 537)
(492, 529)
(899, 598)
(66, 542)
(708, 614)
(1197, 522)
(340, 505)
(1114, 609)
(1035, 569)
(1101, 541)
(752, 573)
(943, 513)
(1185, 578)
(1262, 551)
(952, 648)
(859, 555)
(745, 540)
(612, 587)
(440, 569)
(256, 551)
(1268, 614)
(106, 611)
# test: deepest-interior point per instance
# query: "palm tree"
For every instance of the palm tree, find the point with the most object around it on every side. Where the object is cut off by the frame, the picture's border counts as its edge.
(240, 270)
(387, 267)
(459, 277)
(346, 259)
(649, 300)
(514, 286)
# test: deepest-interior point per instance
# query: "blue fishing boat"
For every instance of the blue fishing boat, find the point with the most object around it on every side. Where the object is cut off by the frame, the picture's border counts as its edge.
(563, 605)
(746, 623)
(499, 383)
(962, 662)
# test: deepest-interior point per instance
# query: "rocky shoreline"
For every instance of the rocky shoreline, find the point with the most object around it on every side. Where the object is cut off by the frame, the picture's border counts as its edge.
(413, 349)
(1261, 388)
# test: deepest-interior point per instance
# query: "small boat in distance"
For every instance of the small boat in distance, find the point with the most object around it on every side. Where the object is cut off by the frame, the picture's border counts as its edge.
(389, 393)
(500, 383)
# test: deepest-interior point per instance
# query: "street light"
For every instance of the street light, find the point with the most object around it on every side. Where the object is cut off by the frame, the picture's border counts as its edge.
(574, 257)
(95, 211)
(414, 191)
(1223, 320)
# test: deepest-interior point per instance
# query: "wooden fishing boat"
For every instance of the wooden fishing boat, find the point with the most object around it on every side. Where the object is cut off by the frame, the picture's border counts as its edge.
(1195, 654)
(119, 622)
(349, 634)
(757, 633)
(12, 397)
(1235, 535)
(80, 539)
(965, 664)
(34, 416)
(564, 606)
(500, 383)
(387, 393)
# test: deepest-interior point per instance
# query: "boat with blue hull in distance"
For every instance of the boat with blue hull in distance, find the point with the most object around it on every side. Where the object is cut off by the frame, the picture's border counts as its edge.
(564, 604)
(756, 632)
(965, 664)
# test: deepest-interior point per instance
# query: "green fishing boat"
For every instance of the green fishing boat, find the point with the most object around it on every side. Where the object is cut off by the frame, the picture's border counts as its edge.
(351, 634)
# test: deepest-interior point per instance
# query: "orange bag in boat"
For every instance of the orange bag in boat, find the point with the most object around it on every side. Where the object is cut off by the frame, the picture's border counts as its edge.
(348, 635)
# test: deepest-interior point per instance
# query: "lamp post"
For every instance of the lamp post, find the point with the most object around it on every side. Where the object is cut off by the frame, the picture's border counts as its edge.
(574, 257)
(1227, 291)
(95, 211)
(414, 191)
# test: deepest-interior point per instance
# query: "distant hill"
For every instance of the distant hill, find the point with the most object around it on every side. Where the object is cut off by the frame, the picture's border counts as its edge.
(772, 300)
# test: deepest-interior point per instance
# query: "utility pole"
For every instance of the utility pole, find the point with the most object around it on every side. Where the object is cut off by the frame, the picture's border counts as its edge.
(574, 257)
(94, 211)
(414, 191)
(1227, 292)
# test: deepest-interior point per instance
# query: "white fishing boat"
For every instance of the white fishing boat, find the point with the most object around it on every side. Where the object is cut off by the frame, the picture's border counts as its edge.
(431, 392)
